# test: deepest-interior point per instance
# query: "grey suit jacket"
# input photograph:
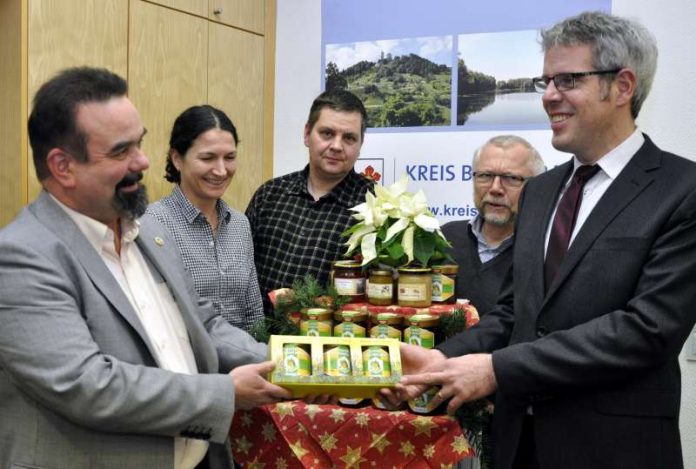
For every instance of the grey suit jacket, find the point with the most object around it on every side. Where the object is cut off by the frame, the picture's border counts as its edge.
(597, 355)
(79, 387)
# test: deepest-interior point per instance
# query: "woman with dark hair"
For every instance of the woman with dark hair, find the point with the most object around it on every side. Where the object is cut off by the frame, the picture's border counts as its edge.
(213, 238)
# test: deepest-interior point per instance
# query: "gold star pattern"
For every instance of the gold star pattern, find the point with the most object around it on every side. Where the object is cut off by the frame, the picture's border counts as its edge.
(301, 428)
(407, 448)
(446, 466)
(311, 410)
(281, 463)
(362, 419)
(283, 409)
(380, 442)
(338, 415)
(460, 444)
(298, 449)
(256, 464)
(328, 441)
(268, 431)
(242, 445)
(429, 451)
(246, 419)
(353, 458)
(423, 425)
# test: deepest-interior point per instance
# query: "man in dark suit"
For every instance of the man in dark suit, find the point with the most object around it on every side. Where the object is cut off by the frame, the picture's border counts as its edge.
(108, 358)
(582, 347)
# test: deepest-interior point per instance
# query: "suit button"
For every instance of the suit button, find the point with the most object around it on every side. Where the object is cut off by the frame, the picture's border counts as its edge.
(541, 331)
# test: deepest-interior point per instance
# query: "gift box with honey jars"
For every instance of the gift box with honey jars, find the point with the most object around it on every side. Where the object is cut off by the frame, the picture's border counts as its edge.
(348, 367)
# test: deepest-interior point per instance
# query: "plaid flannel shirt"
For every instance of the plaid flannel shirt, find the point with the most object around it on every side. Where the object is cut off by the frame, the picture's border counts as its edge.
(295, 235)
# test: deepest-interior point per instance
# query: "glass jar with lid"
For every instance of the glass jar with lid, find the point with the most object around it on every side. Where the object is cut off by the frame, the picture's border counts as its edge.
(415, 287)
(316, 322)
(350, 323)
(380, 287)
(422, 331)
(445, 283)
(349, 280)
(386, 326)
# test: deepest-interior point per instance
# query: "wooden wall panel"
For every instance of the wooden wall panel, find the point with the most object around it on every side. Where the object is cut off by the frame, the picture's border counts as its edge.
(167, 73)
(12, 115)
(235, 84)
(66, 33)
(244, 14)
(196, 7)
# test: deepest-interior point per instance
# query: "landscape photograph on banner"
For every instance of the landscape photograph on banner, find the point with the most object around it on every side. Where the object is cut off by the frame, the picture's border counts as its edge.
(494, 80)
(402, 82)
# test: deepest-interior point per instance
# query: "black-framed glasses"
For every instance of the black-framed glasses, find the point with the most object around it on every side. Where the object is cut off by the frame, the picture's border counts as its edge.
(566, 81)
(507, 180)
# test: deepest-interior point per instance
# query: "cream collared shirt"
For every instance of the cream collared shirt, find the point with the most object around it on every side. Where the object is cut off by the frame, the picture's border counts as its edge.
(155, 307)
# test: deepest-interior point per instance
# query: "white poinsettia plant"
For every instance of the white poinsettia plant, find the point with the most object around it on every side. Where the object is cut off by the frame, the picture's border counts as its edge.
(397, 228)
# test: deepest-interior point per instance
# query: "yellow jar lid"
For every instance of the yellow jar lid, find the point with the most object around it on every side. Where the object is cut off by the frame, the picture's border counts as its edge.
(347, 264)
(389, 318)
(423, 320)
(415, 270)
(353, 316)
(381, 272)
(447, 269)
(316, 313)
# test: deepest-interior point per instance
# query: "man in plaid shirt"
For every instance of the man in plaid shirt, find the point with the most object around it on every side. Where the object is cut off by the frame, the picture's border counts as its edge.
(297, 219)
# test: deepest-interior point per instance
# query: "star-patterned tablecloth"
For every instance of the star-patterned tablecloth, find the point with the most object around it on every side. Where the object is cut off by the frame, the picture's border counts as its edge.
(297, 435)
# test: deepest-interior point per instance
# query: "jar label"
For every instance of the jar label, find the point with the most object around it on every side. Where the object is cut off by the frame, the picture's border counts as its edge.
(413, 292)
(443, 288)
(376, 362)
(296, 361)
(337, 361)
(380, 291)
(423, 404)
(415, 335)
(385, 331)
(350, 286)
(349, 329)
(315, 328)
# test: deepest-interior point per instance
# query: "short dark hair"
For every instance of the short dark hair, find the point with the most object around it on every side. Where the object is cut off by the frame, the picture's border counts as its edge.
(338, 100)
(188, 126)
(53, 119)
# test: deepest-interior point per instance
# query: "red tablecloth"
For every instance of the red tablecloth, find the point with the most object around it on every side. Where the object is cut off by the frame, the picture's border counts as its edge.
(296, 435)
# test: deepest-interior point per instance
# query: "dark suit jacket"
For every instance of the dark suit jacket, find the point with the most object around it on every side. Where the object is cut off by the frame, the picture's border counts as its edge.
(597, 355)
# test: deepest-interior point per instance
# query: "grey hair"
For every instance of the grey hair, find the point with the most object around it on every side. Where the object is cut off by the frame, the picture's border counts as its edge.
(615, 42)
(534, 162)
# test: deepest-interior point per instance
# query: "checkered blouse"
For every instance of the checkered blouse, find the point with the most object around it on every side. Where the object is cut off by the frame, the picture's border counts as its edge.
(222, 265)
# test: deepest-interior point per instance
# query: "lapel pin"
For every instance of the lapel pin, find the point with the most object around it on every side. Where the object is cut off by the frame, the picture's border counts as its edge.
(159, 241)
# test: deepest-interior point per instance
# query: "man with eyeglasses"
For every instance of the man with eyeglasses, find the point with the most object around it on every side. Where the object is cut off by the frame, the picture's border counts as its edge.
(582, 346)
(482, 247)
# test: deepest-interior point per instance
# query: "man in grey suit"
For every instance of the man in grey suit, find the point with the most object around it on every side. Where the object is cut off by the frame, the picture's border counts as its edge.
(582, 346)
(108, 358)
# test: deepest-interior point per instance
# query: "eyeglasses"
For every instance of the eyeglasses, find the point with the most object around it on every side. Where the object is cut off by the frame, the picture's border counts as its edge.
(566, 81)
(507, 180)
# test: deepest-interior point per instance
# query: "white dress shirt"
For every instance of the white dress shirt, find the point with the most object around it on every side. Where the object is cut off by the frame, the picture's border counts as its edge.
(610, 166)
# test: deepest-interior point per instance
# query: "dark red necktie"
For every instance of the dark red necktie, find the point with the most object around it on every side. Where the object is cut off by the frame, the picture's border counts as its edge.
(564, 221)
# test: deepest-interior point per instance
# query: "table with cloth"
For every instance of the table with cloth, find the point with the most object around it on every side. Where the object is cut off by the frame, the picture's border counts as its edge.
(297, 435)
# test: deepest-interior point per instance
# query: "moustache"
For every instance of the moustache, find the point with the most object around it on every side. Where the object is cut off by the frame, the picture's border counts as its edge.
(504, 203)
(129, 179)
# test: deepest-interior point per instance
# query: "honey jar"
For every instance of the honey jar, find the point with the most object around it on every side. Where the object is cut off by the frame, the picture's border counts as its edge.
(349, 280)
(296, 361)
(421, 331)
(387, 326)
(415, 287)
(316, 322)
(380, 288)
(445, 283)
(350, 324)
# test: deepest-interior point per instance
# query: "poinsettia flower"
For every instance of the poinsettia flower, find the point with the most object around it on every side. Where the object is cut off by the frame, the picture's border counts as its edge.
(394, 215)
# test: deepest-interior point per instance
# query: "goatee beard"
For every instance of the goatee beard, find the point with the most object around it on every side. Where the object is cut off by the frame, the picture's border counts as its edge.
(130, 205)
